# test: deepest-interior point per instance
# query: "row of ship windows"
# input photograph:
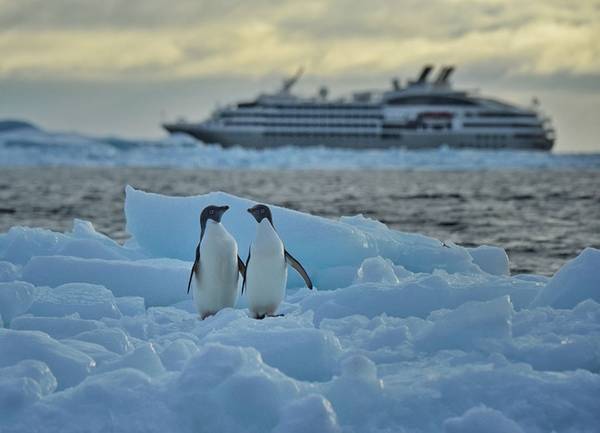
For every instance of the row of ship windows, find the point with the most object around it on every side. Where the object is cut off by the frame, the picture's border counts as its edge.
(311, 106)
(499, 114)
(491, 137)
(538, 136)
(415, 125)
(482, 139)
(318, 134)
(486, 145)
(304, 125)
(374, 125)
(500, 125)
(404, 100)
(284, 115)
(391, 133)
(429, 100)
(302, 115)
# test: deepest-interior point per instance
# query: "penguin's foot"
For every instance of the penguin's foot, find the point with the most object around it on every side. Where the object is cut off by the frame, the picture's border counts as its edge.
(205, 315)
(263, 316)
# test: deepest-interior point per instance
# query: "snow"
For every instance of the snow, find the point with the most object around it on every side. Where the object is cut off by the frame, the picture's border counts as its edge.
(36, 147)
(402, 333)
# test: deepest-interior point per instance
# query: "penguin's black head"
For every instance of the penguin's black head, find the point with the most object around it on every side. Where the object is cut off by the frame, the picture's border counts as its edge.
(260, 212)
(212, 213)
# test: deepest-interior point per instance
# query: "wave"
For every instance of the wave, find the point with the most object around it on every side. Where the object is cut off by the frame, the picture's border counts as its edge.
(22, 144)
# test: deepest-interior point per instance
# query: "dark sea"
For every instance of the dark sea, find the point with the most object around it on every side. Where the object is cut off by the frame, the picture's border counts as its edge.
(541, 217)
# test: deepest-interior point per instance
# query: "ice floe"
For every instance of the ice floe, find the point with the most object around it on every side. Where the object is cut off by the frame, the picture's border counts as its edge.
(403, 333)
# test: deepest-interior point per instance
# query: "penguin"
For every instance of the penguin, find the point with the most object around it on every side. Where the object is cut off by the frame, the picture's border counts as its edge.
(266, 267)
(217, 265)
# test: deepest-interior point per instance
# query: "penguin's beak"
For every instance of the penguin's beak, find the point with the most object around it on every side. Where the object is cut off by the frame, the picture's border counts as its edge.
(252, 211)
(223, 209)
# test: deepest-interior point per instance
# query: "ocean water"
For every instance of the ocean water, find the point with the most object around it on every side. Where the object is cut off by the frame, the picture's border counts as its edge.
(542, 217)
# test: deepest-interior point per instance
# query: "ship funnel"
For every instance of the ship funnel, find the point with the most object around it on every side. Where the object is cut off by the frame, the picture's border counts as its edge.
(424, 73)
(444, 74)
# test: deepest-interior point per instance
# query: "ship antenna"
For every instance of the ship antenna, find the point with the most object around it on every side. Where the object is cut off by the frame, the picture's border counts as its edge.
(289, 82)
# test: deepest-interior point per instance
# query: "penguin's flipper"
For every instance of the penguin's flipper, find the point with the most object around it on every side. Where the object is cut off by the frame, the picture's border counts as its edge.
(245, 270)
(195, 268)
(298, 267)
(241, 267)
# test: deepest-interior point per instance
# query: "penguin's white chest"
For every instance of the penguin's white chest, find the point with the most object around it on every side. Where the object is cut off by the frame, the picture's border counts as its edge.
(266, 274)
(217, 279)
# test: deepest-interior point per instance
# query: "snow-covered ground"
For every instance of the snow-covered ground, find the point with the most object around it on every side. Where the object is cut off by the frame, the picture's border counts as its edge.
(404, 334)
(36, 147)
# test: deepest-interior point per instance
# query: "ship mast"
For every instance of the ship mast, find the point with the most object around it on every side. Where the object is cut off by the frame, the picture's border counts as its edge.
(289, 82)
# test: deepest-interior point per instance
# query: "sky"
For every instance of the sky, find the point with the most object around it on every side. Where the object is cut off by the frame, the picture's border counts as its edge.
(120, 67)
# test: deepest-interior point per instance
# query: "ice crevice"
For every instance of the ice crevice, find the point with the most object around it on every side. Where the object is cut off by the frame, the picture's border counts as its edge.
(402, 334)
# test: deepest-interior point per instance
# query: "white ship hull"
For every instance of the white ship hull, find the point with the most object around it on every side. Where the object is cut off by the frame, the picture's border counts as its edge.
(407, 140)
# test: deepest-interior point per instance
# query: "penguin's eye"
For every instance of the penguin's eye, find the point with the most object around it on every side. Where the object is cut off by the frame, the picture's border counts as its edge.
(211, 211)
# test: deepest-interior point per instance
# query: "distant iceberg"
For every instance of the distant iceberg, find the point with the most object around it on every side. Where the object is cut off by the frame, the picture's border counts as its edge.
(402, 333)
(12, 125)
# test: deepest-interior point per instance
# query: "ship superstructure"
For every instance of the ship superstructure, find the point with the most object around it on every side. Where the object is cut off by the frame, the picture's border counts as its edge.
(424, 113)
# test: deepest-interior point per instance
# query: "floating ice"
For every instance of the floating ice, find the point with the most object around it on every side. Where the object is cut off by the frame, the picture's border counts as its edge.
(159, 282)
(23, 384)
(492, 260)
(69, 366)
(15, 299)
(56, 327)
(144, 358)
(35, 147)
(411, 336)
(20, 244)
(468, 326)
(113, 339)
(169, 227)
(8, 272)
(479, 419)
(575, 282)
(88, 300)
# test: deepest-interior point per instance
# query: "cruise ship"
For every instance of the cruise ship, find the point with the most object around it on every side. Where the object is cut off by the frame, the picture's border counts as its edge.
(424, 113)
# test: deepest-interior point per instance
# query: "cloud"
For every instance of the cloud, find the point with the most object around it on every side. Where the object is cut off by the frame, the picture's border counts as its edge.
(151, 39)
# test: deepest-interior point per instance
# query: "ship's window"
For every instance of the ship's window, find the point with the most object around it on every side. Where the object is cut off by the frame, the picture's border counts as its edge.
(499, 125)
(247, 104)
(504, 114)
(429, 100)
